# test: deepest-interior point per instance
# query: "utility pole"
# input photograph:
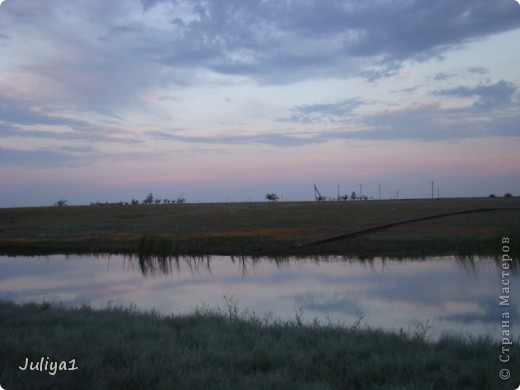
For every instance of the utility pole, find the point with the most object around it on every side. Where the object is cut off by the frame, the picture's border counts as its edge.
(432, 189)
(379, 190)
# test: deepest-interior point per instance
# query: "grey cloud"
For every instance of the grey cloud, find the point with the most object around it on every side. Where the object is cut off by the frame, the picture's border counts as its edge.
(427, 122)
(324, 112)
(36, 158)
(478, 70)
(278, 41)
(414, 123)
(431, 123)
(440, 76)
(488, 97)
(23, 119)
(147, 4)
(132, 28)
(99, 135)
(7, 130)
(407, 90)
(382, 69)
(111, 67)
(93, 66)
(25, 113)
(68, 156)
(409, 29)
(273, 139)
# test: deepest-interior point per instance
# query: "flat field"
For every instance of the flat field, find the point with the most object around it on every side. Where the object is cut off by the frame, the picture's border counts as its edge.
(263, 229)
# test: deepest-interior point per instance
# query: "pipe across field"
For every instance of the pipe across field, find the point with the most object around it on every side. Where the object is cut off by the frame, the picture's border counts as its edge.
(396, 223)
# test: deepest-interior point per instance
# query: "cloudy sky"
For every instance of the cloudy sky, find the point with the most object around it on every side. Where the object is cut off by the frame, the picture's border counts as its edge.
(231, 99)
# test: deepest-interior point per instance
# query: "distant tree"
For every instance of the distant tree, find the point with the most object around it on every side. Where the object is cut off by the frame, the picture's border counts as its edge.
(353, 196)
(180, 200)
(508, 195)
(149, 199)
(166, 201)
(271, 197)
(135, 201)
(492, 196)
(343, 197)
(61, 203)
(157, 201)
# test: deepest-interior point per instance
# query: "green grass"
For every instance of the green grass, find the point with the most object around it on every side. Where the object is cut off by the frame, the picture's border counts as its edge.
(261, 229)
(118, 348)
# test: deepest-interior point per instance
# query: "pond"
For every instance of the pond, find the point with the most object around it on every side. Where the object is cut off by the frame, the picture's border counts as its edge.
(442, 295)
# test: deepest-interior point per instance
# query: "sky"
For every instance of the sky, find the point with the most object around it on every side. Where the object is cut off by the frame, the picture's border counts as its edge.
(229, 100)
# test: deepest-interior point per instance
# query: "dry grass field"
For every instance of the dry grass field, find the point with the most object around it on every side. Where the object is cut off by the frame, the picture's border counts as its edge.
(262, 229)
(122, 348)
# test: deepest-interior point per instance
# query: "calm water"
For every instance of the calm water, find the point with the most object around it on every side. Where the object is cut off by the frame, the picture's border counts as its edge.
(451, 295)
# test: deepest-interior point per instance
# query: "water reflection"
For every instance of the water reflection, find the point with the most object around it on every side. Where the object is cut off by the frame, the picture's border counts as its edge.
(154, 266)
(455, 295)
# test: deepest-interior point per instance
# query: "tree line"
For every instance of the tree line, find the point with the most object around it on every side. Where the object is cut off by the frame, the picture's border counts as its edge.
(148, 200)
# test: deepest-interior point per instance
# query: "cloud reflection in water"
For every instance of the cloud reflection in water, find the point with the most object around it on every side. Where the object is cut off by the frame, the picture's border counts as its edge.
(454, 295)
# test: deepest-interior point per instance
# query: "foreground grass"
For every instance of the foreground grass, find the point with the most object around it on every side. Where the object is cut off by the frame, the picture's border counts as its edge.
(261, 229)
(122, 348)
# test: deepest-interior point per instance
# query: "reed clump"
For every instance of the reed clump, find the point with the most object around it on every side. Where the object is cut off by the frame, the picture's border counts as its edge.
(160, 246)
